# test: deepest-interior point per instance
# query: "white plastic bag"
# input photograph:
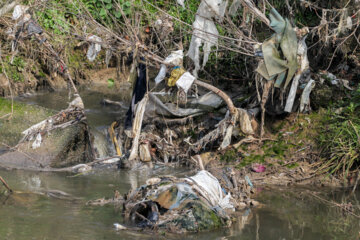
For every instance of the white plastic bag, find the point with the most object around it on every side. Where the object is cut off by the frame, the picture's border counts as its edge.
(37, 142)
(305, 96)
(209, 187)
(185, 81)
(175, 58)
(94, 48)
(205, 31)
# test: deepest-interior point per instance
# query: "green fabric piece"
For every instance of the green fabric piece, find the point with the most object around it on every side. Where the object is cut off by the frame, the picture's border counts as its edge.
(263, 71)
(273, 65)
(277, 22)
(280, 79)
(289, 48)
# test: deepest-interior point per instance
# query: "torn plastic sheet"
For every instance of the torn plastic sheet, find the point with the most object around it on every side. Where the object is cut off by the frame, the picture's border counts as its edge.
(155, 107)
(33, 28)
(175, 58)
(94, 47)
(161, 75)
(208, 101)
(181, 3)
(37, 143)
(205, 32)
(285, 37)
(209, 188)
(305, 96)
(19, 10)
(245, 122)
(185, 81)
(291, 97)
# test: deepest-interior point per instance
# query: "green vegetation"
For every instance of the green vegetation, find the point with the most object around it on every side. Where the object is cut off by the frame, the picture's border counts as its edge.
(340, 138)
(14, 70)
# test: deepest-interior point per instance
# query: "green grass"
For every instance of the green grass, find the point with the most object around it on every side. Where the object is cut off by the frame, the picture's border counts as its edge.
(340, 138)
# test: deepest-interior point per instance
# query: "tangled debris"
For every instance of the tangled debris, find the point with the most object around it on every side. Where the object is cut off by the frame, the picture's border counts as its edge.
(190, 204)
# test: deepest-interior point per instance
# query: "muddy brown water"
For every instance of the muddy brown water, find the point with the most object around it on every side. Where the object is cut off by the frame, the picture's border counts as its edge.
(287, 213)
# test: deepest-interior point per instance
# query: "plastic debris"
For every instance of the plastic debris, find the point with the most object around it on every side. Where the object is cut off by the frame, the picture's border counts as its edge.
(19, 11)
(156, 107)
(161, 75)
(118, 226)
(249, 181)
(176, 73)
(181, 3)
(185, 81)
(305, 97)
(94, 47)
(259, 168)
(33, 28)
(285, 37)
(337, 81)
(245, 122)
(209, 187)
(37, 142)
(175, 58)
(205, 32)
(183, 204)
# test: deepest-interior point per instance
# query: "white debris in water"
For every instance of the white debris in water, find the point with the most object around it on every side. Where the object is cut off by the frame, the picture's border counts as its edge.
(118, 226)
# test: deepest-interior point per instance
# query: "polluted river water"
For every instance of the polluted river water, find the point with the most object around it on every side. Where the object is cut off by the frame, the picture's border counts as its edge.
(31, 213)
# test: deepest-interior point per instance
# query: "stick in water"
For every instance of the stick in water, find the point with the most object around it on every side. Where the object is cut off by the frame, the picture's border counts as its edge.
(5, 184)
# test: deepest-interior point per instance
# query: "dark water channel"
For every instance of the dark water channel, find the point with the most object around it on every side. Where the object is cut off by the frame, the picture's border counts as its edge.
(286, 213)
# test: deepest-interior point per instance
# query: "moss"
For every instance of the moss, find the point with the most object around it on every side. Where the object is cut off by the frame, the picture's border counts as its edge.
(229, 156)
(199, 218)
(23, 117)
(14, 70)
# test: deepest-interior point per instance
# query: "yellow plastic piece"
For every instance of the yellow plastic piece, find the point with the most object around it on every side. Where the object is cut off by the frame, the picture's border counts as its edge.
(175, 75)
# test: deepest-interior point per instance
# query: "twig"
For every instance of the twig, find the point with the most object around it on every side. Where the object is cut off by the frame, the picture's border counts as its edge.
(6, 185)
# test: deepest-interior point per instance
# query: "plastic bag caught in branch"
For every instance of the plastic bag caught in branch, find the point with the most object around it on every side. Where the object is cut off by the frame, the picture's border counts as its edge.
(94, 48)
(305, 97)
(185, 81)
(205, 32)
(175, 58)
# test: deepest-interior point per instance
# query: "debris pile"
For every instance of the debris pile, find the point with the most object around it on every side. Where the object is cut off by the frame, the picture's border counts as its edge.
(179, 205)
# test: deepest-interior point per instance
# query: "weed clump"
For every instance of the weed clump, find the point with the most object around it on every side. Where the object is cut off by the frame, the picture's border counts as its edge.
(340, 138)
